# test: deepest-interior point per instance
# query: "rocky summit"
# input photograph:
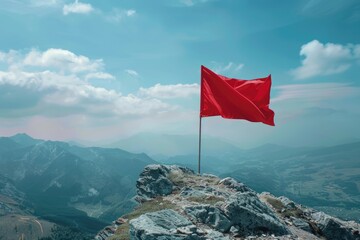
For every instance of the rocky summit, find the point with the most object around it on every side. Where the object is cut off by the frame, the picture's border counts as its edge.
(177, 204)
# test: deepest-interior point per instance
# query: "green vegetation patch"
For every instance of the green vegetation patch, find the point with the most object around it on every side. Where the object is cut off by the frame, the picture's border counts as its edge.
(280, 208)
(182, 180)
(275, 203)
(212, 200)
(157, 204)
(292, 213)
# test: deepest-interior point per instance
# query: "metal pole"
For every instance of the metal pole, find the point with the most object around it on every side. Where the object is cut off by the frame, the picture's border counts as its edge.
(199, 145)
(201, 76)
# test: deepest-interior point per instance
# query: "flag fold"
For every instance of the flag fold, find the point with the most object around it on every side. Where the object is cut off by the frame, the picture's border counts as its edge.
(235, 98)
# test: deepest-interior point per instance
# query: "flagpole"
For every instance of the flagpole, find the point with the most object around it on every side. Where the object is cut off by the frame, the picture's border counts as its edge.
(201, 76)
(199, 145)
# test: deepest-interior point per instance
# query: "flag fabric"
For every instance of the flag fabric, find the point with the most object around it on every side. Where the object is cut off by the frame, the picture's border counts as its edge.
(235, 98)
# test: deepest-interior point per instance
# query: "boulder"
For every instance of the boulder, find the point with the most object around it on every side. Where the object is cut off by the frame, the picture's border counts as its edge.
(209, 215)
(202, 192)
(158, 225)
(191, 192)
(252, 216)
(335, 229)
(288, 204)
(301, 223)
(168, 225)
(235, 185)
(154, 181)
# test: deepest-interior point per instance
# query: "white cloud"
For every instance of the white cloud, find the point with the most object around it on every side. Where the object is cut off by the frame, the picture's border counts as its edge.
(77, 7)
(314, 92)
(28, 91)
(117, 15)
(51, 98)
(63, 60)
(325, 59)
(229, 67)
(170, 91)
(130, 12)
(2, 56)
(132, 72)
(99, 75)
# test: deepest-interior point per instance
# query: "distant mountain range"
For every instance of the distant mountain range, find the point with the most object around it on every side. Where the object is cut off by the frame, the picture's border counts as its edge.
(67, 184)
(166, 145)
(183, 150)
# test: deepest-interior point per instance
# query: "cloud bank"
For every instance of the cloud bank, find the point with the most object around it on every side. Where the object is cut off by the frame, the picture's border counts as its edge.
(170, 91)
(325, 59)
(314, 92)
(54, 83)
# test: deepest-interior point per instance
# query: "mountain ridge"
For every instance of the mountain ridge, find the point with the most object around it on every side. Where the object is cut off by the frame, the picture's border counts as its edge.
(67, 184)
(177, 204)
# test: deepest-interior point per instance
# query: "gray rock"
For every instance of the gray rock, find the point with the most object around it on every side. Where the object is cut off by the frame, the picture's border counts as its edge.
(335, 229)
(252, 216)
(191, 192)
(209, 215)
(202, 192)
(154, 181)
(233, 184)
(179, 169)
(288, 204)
(158, 225)
(234, 230)
(302, 224)
(208, 175)
(215, 235)
(188, 230)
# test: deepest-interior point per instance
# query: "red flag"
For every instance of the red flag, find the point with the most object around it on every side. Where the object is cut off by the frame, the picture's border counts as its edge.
(235, 98)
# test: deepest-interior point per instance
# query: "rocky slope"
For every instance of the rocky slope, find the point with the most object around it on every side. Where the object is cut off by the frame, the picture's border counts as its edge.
(175, 204)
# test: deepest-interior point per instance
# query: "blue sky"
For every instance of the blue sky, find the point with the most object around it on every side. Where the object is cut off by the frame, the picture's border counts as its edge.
(105, 70)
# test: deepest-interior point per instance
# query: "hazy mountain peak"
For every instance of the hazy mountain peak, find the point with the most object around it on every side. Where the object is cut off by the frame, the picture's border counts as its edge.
(24, 140)
(21, 136)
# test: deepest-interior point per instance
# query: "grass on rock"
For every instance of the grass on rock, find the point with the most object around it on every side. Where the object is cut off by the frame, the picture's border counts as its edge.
(280, 208)
(182, 180)
(212, 200)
